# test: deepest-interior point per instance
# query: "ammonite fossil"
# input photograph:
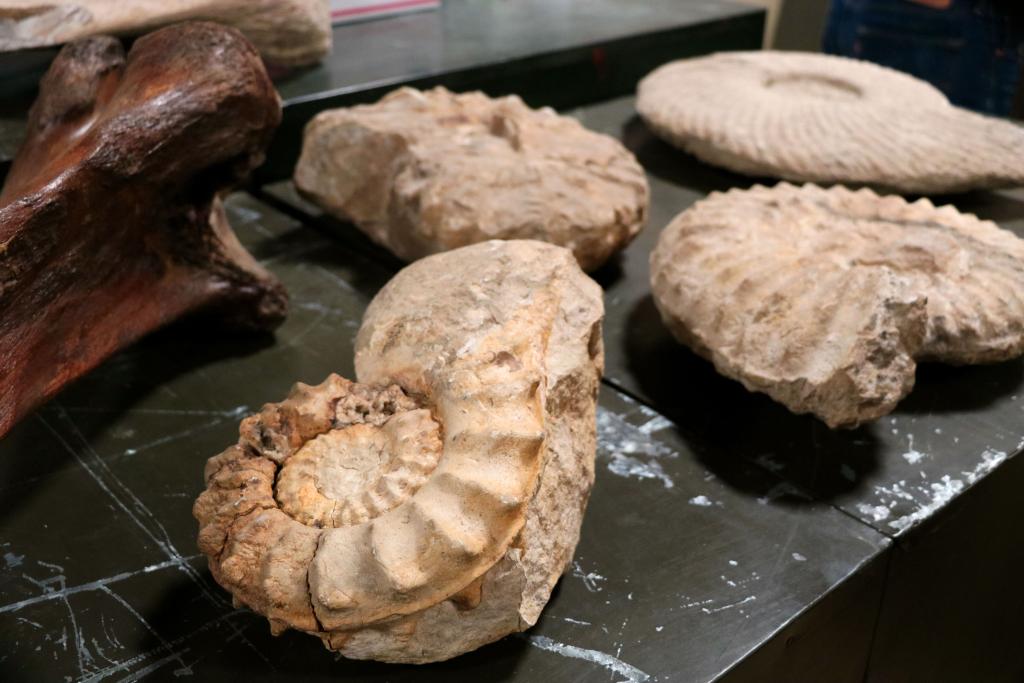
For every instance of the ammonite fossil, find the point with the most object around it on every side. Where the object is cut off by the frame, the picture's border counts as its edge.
(812, 117)
(286, 32)
(824, 299)
(423, 172)
(430, 508)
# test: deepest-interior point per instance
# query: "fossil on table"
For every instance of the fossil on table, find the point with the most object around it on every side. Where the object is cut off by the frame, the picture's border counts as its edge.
(825, 299)
(430, 508)
(423, 172)
(825, 119)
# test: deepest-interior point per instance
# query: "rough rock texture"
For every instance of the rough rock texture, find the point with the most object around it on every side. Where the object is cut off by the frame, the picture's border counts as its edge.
(110, 226)
(423, 172)
(812, 117)
(432, 507)
(824, 299)
(286, 32)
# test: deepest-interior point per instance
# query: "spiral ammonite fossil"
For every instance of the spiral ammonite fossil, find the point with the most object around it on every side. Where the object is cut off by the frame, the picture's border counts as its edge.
(825, 119)
(825, 299)
(431, 507)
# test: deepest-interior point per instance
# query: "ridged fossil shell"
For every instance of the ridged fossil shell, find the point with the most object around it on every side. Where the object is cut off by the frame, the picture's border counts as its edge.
(812, 117)
(424, 172)
(286, 32)
(432, 507)
(824, 299)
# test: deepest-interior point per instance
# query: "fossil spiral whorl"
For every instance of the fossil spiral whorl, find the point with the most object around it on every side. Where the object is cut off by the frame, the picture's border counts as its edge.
(827, 119)
(430, 508)
(824, 299)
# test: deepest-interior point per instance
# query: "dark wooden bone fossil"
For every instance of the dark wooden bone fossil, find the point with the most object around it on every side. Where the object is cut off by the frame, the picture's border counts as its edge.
(110, 221)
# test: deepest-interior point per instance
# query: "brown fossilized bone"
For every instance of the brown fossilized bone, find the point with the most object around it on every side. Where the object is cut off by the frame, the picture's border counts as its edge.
(824, 299)
(432, 507)
(286, 32)
(109, 222)
(826, 119)
(423, 172)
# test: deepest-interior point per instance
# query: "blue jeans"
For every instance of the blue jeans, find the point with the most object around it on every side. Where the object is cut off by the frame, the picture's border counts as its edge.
(972, 51)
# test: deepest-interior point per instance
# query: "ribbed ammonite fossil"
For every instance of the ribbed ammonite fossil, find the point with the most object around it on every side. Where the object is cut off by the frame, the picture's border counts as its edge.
(430, 508)
(423, 172)
(812, 117)
(824, 299)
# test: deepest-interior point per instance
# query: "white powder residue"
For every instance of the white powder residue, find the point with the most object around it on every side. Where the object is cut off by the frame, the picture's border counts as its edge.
(627, 466)
(630, 450)
(658, 628)
(941, 492)
(799, 558)
(701, 501)
(655, 424)
(733, 563)
(602, 659)
(990, 460)
(875, 512)
(913, 456)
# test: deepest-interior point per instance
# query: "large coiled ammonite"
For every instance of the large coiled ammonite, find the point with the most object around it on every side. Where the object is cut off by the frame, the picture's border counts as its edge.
(430, 508)
(825, 119)
(825, 299)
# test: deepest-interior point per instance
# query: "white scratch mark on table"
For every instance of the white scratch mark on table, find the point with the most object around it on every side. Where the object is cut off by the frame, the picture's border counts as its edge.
(589, 579)
(169, 438)
(602, 659)
(138, 513)
(722, 608)
(132, 661)
(50, 594)
(339, 282)
(142, 620)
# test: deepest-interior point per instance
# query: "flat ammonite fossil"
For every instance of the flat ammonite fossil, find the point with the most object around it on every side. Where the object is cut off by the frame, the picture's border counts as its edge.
(824, 299)
(424, 172)
(432, 507)
(819, 118)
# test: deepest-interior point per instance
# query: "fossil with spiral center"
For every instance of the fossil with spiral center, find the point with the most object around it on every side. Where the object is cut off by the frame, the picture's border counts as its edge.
(431, 507)
(812, 117)
(825, 299)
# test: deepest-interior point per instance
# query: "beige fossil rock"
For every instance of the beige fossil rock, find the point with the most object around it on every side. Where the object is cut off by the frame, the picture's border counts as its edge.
(424, 172)
(824, 299)
(431, 508)
(286, 32)
(811, 117)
